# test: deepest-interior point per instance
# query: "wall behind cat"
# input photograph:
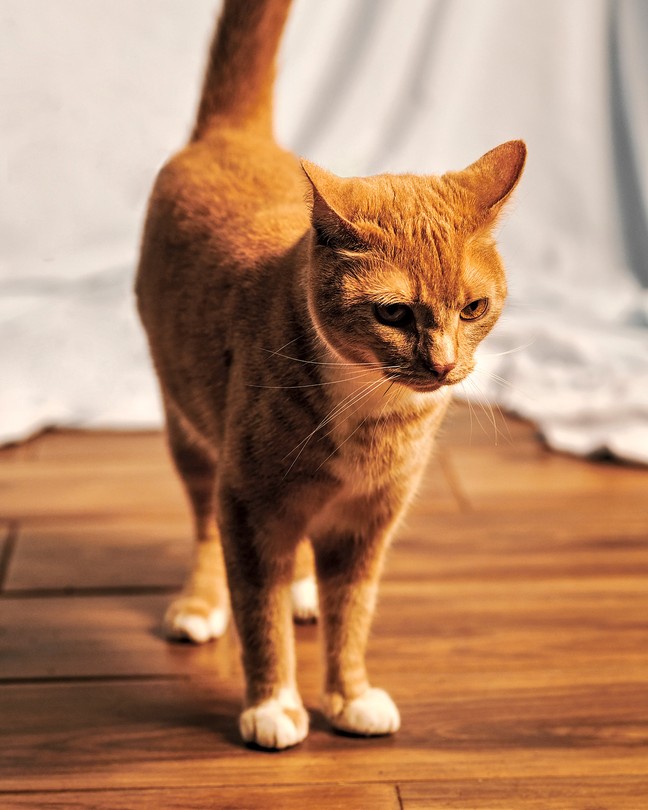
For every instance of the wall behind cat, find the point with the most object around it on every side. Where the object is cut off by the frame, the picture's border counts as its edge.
(97, 95)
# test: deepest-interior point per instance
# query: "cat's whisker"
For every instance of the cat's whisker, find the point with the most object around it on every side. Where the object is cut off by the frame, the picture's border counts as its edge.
(357, 376)
(501, 381)
(470, 408)
(348, 402)
(510, 351)
(321, 362)
(330, 415)
(487, 408)
(504, 383)
(309, 328)
(281, 348)
(474, 411)
(505, 423)
(384, 408)
(357, 427)
(367, 391)
(336, 411)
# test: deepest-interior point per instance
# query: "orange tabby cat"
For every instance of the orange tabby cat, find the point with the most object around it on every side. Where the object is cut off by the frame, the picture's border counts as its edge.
(305, 352)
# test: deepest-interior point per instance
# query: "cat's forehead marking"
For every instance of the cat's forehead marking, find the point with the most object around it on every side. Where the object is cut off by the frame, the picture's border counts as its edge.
(384, 282)
(426, 239)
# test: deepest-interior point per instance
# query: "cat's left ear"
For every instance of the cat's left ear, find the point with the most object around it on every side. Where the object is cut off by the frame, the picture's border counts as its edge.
(332, 229)
(492, 179)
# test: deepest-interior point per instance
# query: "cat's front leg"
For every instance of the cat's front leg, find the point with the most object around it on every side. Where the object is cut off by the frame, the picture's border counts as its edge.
(348, 570)
(259, 560)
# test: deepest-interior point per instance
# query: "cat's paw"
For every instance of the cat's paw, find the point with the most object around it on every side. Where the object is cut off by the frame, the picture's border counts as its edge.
(372, 713)
(277, 723)
(305, 605)
(190, 618)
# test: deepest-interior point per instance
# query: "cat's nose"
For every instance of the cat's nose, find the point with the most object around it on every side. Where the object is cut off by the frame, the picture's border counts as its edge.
(441, 370)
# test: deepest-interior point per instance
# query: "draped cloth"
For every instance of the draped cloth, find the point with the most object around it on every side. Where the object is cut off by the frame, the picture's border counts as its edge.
(97, 95)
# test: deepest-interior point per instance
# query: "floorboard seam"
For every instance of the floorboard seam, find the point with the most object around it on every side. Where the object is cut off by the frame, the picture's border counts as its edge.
(453, 482)
(196, 788)
(530, 780)
(11, 539)
(71, 592)
(55, 680)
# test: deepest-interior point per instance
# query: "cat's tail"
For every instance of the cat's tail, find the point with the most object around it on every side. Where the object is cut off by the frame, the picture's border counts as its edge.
(240, 73)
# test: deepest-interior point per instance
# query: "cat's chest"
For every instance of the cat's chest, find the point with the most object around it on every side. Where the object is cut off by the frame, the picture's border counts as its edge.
(381, 434)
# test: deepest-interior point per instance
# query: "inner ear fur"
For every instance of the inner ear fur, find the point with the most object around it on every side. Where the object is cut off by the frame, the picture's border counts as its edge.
(331, 228)
(492, 179)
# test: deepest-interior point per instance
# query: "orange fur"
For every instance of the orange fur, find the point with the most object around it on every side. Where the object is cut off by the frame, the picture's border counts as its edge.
(293, 409)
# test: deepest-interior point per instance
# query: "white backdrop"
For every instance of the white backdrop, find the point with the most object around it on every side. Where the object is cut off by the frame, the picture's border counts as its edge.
(97, 93)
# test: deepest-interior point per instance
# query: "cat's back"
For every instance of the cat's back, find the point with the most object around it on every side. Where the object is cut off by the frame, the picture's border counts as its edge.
(232, 198)
(223, 218)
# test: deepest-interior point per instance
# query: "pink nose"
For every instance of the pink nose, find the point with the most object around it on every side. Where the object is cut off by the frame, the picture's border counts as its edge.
(441, 370)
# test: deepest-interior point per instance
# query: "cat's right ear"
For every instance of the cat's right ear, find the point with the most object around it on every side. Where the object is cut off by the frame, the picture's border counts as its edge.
(492, 179)
(332, 229)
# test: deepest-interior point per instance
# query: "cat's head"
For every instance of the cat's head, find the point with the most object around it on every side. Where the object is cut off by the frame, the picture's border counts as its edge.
(404, 270)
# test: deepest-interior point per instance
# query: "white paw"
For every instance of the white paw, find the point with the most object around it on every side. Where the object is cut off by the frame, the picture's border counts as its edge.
(303, 594)
(374, 712)
(192, 619)
(276, 723)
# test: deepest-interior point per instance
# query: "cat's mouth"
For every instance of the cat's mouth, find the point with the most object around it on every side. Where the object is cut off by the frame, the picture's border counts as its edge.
(424, 385)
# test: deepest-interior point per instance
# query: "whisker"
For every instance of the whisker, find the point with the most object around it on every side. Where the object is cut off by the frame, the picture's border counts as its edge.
(357, 427)
(336, 411)
(503, 382)
(477, 419)
(470, 409)
(316, 385)
(485, 403)
(281, 348)
(384, 408)
(320, 362)
(510, 351)
(330, 415)
(368, 390)
(490, 416)
(505, 423)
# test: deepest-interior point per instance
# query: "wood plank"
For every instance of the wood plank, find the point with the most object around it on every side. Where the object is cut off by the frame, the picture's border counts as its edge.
(181, 733)
(48, 491)
(450, 627)
(52, 489)
(102, 636)
(7, 542)
(99, 446)
(518, 476)
(549, 541)
(623, 792)
(511, 634)
(244, 797)
(107, 552)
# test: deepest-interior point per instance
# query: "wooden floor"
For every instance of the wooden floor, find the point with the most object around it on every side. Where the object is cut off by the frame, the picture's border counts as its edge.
(512, 631)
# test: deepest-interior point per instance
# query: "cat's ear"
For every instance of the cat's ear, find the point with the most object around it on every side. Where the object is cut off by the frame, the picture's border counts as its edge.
(492, 179)
(331, 228)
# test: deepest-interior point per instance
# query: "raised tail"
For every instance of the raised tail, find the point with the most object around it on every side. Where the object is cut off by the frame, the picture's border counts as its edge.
(239, 81)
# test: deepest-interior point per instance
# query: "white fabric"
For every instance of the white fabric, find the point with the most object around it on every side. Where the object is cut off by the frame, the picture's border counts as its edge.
(96, 95)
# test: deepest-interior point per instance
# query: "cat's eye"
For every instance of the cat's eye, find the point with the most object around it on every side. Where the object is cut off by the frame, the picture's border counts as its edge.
(475, 309)
(393, 314)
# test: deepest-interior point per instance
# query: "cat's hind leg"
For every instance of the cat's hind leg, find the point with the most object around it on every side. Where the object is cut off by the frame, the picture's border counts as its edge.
(201, 611)
(303, 590)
